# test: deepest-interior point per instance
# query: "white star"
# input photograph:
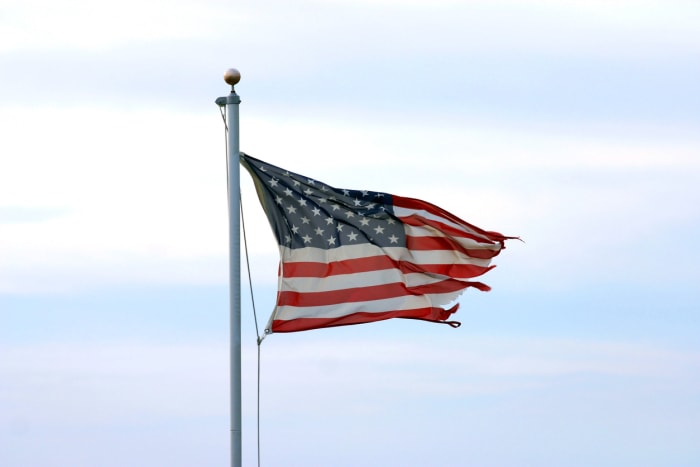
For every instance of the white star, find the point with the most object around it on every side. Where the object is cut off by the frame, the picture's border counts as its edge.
(287, 238)
(335, 207)
(273, 182)
(288, 192)
(310, 181)
(346, 192)
(340, 227)
(304, 220)
(316, 211)
(352, 236)
(306, 239)
(322, 200)
(296, 182)
(350, 214)
(278, 199)
(364, 193)
(291, 209)
(364, 221)
(394, 239)
(295, 229)
(309, 192)
(302, 202)
(331, 241)
(263, 169)
(329, 220)
(391, 221)
(319, 231)
(379, 229)
(357, 202)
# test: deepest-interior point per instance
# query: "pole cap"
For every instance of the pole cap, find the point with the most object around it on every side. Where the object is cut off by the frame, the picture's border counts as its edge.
(232, 76)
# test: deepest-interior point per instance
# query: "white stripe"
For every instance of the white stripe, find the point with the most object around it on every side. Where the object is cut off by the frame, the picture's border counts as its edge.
(376, 306)
(469, 243)
(429, 231)
(441, 257)
(319, 255)
(360, 279)
(330, 255)
(407, 212)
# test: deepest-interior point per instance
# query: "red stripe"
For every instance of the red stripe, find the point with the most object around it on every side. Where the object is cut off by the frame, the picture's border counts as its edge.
(370, 293)
(379, 263)
(446, 243)
(420, 221)
(458, 271)
(348, 266)
(303, 324)
(412, 203)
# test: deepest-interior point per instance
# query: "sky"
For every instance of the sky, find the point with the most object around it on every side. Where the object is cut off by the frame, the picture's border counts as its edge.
(571, 124)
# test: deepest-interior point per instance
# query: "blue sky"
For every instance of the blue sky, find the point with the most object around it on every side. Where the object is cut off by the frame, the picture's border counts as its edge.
(571, 124)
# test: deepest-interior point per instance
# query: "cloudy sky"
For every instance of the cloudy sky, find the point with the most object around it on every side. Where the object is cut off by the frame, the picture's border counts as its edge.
(570, 123)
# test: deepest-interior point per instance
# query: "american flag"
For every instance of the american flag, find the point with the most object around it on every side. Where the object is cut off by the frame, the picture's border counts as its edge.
(357, 256)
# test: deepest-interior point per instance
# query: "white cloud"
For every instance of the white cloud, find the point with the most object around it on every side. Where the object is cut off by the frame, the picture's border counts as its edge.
(80, 400)
(123, 379)
(168, 403)
(387, 26)
(129, 193)
(85, 25)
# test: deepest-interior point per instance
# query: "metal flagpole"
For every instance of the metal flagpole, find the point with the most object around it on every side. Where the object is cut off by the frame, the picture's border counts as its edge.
(231, 102)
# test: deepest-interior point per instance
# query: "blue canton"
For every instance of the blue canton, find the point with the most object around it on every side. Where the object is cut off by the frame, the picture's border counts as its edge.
(305, 212)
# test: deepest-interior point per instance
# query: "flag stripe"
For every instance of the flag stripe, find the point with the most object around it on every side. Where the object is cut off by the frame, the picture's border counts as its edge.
(366, 293)
(448, 244)
(421, 227)
(359, 317)
(431, 225)
(360, 279)
(404, 206)
(426, 228)
(379, 263)
(409, 302)
(349, 252)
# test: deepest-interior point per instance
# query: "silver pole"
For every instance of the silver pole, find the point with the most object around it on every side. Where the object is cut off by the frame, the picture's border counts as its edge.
(232, 77)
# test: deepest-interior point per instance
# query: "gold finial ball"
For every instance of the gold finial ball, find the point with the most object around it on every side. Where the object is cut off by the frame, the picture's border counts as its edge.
(232, 76)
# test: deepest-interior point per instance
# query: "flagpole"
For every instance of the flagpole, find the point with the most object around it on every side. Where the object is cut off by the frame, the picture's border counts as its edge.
(231, 102)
